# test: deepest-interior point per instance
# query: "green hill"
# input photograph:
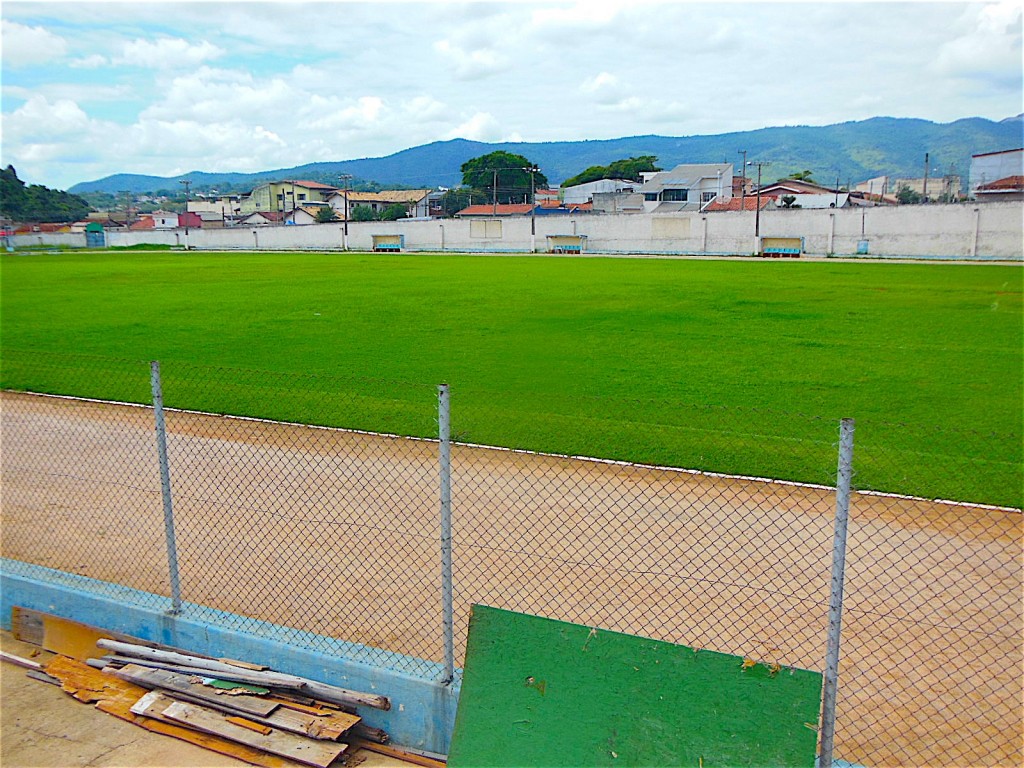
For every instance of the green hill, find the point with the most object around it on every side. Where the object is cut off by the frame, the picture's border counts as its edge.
(851, 151)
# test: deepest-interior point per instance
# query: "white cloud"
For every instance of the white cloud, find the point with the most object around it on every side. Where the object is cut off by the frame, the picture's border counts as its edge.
(91, 61)
(471, 63)
(166, 53)
(25, 46)
(41, 118)
(988, 46)
(480, 127)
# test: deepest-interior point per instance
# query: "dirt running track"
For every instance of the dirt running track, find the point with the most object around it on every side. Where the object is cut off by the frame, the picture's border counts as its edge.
(336, 533)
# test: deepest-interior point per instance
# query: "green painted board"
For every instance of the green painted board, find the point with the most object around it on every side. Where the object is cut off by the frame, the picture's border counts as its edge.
(539, 692)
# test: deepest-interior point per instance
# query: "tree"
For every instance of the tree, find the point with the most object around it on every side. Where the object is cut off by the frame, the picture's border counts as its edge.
(789, 201)
(325, 215)
(37, 203)
(907, 196)
(363, 213)
(627, 170)
(513, 180)
(803, 176)
(393, 213)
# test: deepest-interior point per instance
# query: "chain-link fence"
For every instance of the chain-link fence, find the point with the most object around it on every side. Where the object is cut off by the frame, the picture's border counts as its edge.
(340, 533)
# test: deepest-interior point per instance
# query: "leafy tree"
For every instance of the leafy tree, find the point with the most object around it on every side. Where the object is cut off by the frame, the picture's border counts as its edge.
(627, 170)
(800, 176)
(454, 200)
(513, 181)
(363, 213)
(907, 196)
(789, 201)
(325, 215)
(37, 203)
(393, 212)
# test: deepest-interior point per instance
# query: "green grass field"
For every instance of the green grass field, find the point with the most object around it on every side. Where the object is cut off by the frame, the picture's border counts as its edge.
(731, 366)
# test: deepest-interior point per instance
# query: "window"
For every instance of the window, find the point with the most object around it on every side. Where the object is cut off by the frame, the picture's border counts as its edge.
(707, 197)
(675, 195)
(302, 196)
(650, 196)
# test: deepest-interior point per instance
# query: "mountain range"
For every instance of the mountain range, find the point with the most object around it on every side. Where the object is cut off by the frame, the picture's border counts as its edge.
(850, 152)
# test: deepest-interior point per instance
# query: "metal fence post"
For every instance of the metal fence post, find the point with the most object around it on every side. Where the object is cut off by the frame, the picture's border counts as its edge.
(835, 602)
(165, 485)
(445, 461)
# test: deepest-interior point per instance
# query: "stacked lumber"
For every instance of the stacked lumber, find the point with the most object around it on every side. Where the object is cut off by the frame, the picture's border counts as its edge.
(234, 707)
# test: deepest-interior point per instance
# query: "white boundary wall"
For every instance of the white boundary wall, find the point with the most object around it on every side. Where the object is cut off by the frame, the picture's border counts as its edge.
(992, 231)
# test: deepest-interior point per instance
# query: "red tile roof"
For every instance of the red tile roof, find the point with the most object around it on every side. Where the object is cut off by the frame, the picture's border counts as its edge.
(748, 203)
(491, 210)
(308, 184)
(144, 223)
(1010, 183)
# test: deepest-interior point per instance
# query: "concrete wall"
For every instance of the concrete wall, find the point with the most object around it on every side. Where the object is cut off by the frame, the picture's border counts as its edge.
(40, 239)
(955, 231)
(422, 713)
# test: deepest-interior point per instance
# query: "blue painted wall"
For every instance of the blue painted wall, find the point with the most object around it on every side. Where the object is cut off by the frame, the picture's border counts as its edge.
(422, 713)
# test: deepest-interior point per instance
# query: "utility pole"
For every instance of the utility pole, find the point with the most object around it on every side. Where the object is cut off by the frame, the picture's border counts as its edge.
(924, 194)
(494, 194)
(743, 189)
(533, 209)
(186, 183)
(757, 213)
(345, 179)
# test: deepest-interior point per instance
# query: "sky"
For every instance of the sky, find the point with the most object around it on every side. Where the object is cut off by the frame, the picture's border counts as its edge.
(91, 89)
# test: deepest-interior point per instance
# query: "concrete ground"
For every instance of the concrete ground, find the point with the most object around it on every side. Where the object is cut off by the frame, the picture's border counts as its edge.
(43, 727)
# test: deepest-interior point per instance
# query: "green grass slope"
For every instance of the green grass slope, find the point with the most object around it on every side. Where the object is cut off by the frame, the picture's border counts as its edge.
(701, 364)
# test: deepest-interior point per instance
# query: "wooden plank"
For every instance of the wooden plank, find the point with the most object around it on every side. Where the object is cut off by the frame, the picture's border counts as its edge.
(64, 636)
(309, 751)
(331, 726)
(369, 733)
(274, 679)
(156, 723)
(401, 754)
(172, 681)
(244, 664)
(87, 684)
(255, 727)
(27, 625)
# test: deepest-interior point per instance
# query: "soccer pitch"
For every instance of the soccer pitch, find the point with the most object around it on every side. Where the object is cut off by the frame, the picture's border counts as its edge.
(730, 366)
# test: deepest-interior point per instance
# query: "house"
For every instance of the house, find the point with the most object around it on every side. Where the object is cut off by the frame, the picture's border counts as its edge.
(191, 220)
(285, 195)
(489, 210)
(417, 202)
(144, 222)
(262, 218)
(686, 187)
(545, 195)
(1010, 188)
(991, 167)
(944, 188)
(584, 193)
(164, 219)
(548, 208)
(750, 203)
(794, 187)
(309, 214)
